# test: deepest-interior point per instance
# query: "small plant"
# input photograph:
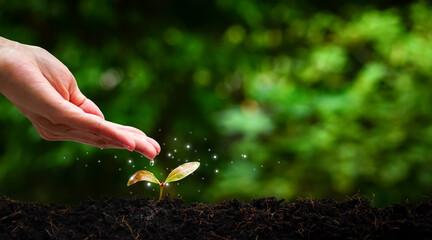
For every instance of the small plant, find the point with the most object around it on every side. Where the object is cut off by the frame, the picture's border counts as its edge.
(180, 172)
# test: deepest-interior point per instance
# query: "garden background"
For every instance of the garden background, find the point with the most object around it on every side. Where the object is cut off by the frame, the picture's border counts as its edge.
(275, 98)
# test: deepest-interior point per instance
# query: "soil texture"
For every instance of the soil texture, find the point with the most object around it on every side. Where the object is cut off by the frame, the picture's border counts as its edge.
(266, 218)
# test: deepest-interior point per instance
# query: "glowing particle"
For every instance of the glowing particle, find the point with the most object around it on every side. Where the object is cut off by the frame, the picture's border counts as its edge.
(216, 171)
(98, 161)
(130, 161)
(188, 146)
(148, 184)
(119, 169)
(214, 156)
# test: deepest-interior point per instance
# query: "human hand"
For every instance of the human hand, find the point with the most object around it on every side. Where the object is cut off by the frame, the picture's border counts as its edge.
(46, 92)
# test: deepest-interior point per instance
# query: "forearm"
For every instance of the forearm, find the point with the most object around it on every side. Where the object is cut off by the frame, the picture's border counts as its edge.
(6, 47)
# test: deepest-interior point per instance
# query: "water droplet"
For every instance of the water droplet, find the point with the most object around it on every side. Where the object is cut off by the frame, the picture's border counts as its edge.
(196, 151)
(232, 162)
(149, 184)
(175, 150)
(206, 164)
(244, 156)
(98, 161)
(175, 139)
(141, 156)
(214, 156)
(64, 157)
(169, 154)
(199, 190)
(101, 148)
(262, 166)
(178, 184)
(205, 139)
(167, 184)
(119, 169)
(216, 171)
(163, 144)
(153, 189)
(115, 156)
(202, 178)
(86, 165)
(160, 174)
(278, 161)
(130, 193)
(188, 146)
(178, 194)
(160, 130)
(77, 159)
(86, 152)
(133, 166)
(172, 157)
(190, 132)
(186, 160)
(130, 161)
(151, 162)
(209, 149)
(166, 168)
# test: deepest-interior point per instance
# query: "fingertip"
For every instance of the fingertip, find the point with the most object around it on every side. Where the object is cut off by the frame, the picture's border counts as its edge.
(155, 144)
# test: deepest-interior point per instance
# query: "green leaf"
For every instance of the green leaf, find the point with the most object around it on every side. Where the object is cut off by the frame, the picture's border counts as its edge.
(142, 175)
(182, 171)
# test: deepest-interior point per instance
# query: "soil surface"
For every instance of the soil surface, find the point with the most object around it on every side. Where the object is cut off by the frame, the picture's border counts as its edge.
(266, 218)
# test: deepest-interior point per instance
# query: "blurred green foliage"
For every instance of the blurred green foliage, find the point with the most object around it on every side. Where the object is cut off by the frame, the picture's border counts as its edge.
(324, 101)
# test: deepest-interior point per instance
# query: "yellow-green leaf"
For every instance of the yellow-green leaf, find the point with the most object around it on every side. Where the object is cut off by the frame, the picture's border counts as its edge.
(182, 171)
(142, 175)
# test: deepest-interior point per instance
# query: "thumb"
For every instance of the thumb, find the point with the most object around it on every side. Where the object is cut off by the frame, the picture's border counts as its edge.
(87, 105)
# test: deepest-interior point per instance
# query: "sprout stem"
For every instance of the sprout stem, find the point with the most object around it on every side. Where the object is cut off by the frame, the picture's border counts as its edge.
(161, 191)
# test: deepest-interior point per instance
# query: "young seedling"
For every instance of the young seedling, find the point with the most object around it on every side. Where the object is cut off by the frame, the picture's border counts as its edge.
(180, 172)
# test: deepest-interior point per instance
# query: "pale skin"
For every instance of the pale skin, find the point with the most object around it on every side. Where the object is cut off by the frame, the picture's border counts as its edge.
(46, 92)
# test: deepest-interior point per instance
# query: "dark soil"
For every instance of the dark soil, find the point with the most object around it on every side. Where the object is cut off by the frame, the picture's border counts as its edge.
(266, 218)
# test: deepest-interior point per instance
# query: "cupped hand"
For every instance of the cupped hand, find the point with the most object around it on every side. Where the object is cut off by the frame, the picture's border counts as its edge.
(46, 92)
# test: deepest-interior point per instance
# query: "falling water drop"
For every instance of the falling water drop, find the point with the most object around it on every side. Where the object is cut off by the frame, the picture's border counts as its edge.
(216, 171)
(98, 161)
(151, 162)
(115, 156)
(130, 161)
(119, 169)
(214, 156)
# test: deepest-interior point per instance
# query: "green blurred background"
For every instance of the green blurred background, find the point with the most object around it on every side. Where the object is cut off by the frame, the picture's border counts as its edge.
(275, 98)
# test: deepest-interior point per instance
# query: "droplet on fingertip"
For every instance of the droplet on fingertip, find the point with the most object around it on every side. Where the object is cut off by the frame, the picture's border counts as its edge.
(151, 162)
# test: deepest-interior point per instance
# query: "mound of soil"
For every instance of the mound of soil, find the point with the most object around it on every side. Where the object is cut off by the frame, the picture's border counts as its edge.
(266, 218)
